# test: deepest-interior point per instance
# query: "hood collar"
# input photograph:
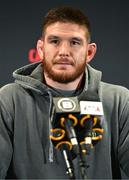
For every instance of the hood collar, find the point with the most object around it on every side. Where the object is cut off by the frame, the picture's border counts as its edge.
(30, 77)
(93, 78)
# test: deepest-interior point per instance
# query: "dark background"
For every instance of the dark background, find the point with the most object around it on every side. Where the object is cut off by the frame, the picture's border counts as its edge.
(20, 28)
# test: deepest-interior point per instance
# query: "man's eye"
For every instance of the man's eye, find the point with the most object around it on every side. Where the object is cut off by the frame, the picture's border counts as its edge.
(75, 43)
(54, 41)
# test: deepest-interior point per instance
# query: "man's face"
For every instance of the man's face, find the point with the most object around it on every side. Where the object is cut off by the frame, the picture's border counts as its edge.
(65, 49)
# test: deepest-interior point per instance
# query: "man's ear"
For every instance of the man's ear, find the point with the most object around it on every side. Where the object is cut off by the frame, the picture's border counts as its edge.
(91, 51)
(40, 49)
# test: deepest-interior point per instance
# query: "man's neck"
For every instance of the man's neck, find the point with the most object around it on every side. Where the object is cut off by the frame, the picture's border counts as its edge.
(64, 86)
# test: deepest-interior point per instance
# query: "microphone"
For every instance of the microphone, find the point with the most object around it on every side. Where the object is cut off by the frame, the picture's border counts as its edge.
(91, 110)
(65, 150)
(59, 140)
(66, 110)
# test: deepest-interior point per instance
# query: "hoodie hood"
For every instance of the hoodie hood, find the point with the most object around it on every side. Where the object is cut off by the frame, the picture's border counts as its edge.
(30, 77)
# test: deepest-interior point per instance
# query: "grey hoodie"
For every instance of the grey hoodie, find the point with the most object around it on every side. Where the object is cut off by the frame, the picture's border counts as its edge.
(25, 111)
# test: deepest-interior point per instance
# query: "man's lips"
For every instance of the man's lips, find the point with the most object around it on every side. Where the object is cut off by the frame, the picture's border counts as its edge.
(64, 62)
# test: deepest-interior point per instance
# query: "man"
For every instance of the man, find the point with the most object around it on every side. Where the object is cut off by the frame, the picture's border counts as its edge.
(26, 151)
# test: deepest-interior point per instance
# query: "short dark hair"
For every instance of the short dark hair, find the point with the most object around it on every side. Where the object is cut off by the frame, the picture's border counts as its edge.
(67, 14)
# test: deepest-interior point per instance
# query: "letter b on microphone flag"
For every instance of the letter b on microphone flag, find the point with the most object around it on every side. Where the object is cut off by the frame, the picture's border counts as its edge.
(66, 105)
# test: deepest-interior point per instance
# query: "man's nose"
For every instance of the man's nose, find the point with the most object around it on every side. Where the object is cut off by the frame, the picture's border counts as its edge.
(64, 49)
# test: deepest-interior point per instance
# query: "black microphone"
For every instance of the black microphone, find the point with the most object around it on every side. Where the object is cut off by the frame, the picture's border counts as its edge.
(59, 140)
(66, 110)
(65, 150)
(91, 110)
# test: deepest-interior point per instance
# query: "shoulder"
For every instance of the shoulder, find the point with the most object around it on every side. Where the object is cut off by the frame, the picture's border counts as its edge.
(10, 89)
(113, 89)
(8, 94)
(114, 95)
(6, 99)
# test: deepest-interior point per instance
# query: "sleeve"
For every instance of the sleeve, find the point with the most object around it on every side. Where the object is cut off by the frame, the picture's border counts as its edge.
(5, 142)
(123, 147)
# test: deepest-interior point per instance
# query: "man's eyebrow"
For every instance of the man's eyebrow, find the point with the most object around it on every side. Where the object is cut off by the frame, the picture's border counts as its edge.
(52, 37)
(77, 39)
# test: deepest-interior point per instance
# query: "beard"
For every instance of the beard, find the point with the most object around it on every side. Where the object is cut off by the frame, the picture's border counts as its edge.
(63, 76)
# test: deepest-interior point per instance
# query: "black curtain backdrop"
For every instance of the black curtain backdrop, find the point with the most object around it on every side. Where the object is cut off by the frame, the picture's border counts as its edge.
(20, 28)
